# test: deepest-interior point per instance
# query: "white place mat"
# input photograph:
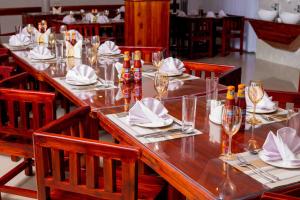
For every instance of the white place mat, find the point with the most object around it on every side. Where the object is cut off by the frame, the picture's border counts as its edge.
(286, 176)
(183, 77)
(83, 91)
(278, 116)
(121, 120)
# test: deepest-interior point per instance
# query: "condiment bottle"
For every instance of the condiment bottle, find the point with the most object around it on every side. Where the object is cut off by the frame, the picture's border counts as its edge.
(137, 67)
(126, 75)
(230, 100)
(241, 102)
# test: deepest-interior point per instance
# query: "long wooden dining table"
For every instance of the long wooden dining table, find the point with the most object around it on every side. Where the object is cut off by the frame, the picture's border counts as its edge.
(191, 164)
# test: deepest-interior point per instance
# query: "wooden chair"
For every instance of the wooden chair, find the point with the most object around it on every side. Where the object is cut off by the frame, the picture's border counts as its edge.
(283, 97)
(4, 56)
(22, 112)
(228, 75)
(287, 193)
(6, 71)
(146, 51)
(233, 28)
(201, 37)
(69, 166)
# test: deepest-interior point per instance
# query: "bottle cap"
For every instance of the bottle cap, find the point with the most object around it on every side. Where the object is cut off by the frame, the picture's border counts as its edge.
(230, 87)
(241, 86)
(137, 55)
(126, 55)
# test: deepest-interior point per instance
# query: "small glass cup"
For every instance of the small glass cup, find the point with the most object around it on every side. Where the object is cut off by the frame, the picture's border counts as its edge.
(59, 50)
(161, 83)
(109, 74)
(211, 90)
(157, 59)
(18, 29)
(189, 107)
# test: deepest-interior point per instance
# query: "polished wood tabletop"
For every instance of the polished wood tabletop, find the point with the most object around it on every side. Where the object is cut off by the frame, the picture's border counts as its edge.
(192, 164)
(99, 98)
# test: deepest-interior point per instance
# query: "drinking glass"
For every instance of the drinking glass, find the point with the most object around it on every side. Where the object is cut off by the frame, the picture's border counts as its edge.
(189, 106)
(109, 74)
(231, 123)
(255, 93)
(91, 55)
(59, 49)
(30, 29)
(95, 41)
(211, 90)
(161, 83)
(157, 59)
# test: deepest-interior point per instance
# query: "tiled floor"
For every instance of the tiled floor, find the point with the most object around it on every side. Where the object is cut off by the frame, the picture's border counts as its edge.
(274, 76)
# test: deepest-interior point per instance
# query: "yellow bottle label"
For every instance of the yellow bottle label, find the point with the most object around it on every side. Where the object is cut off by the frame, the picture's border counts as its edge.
(230, 92)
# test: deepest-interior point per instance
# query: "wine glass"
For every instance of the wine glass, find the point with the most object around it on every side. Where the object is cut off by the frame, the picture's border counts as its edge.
(30, 29)
(255, 93)
(95, 41)
(91, 55)
(51, 40)
(231, 123)
(161, 83)
(157, 59)
(227, 189)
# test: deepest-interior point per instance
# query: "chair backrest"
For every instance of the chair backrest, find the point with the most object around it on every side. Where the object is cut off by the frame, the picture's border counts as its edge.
(202, 27)
(228, 75)
(283, 98)
(233, 23)
(6, 71)
(146, 51)
(24, 111)
(77, 123)
(22, 81)
(86, 30)
(92, 180)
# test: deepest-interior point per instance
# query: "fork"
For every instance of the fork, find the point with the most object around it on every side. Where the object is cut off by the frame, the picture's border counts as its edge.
(244, 161)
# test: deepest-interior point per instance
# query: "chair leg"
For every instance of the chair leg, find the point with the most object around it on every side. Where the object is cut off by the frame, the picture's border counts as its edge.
(242, 44)
(43, 193)
(28, 169)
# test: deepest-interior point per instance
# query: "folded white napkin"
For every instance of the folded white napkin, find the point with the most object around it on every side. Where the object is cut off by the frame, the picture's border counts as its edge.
(56, 11)
(109, 48)
(222, 14)
(119, 94)
(148, 110)
(89, 17)
(78, 36)
(102, 19)
(19, 40)
(25, 32)
(42, 37)
(40, 52)
(265, 103)
(211, 14)
(181, 13)
(68, 19)
(81, 74)
(283, 146)
(82, 11)
(117, 18)
(119, 67)
(122, 9)
(172, 66)
(74, 51)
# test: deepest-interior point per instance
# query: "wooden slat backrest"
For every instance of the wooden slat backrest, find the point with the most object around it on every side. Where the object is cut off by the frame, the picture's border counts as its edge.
(24, 111)
(202, 27)
(20, 81)
(77, 123)
(233, 23)
(146, 51)
(5, 72)
(50, 148)
(228, 75)
(283, 97)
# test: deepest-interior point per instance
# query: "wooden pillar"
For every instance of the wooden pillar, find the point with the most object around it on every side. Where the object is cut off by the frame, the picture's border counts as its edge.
(147, 23)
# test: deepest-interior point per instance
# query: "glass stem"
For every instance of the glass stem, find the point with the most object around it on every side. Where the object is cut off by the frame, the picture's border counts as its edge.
(254, 109)
(229, 148)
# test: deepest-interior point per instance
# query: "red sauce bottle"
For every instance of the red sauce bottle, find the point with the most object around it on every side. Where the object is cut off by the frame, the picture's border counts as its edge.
(137, 70)
(126, 74)
(241, 102)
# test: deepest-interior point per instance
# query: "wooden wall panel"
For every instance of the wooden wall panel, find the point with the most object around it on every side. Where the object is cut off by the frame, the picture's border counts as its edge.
(147, 23)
